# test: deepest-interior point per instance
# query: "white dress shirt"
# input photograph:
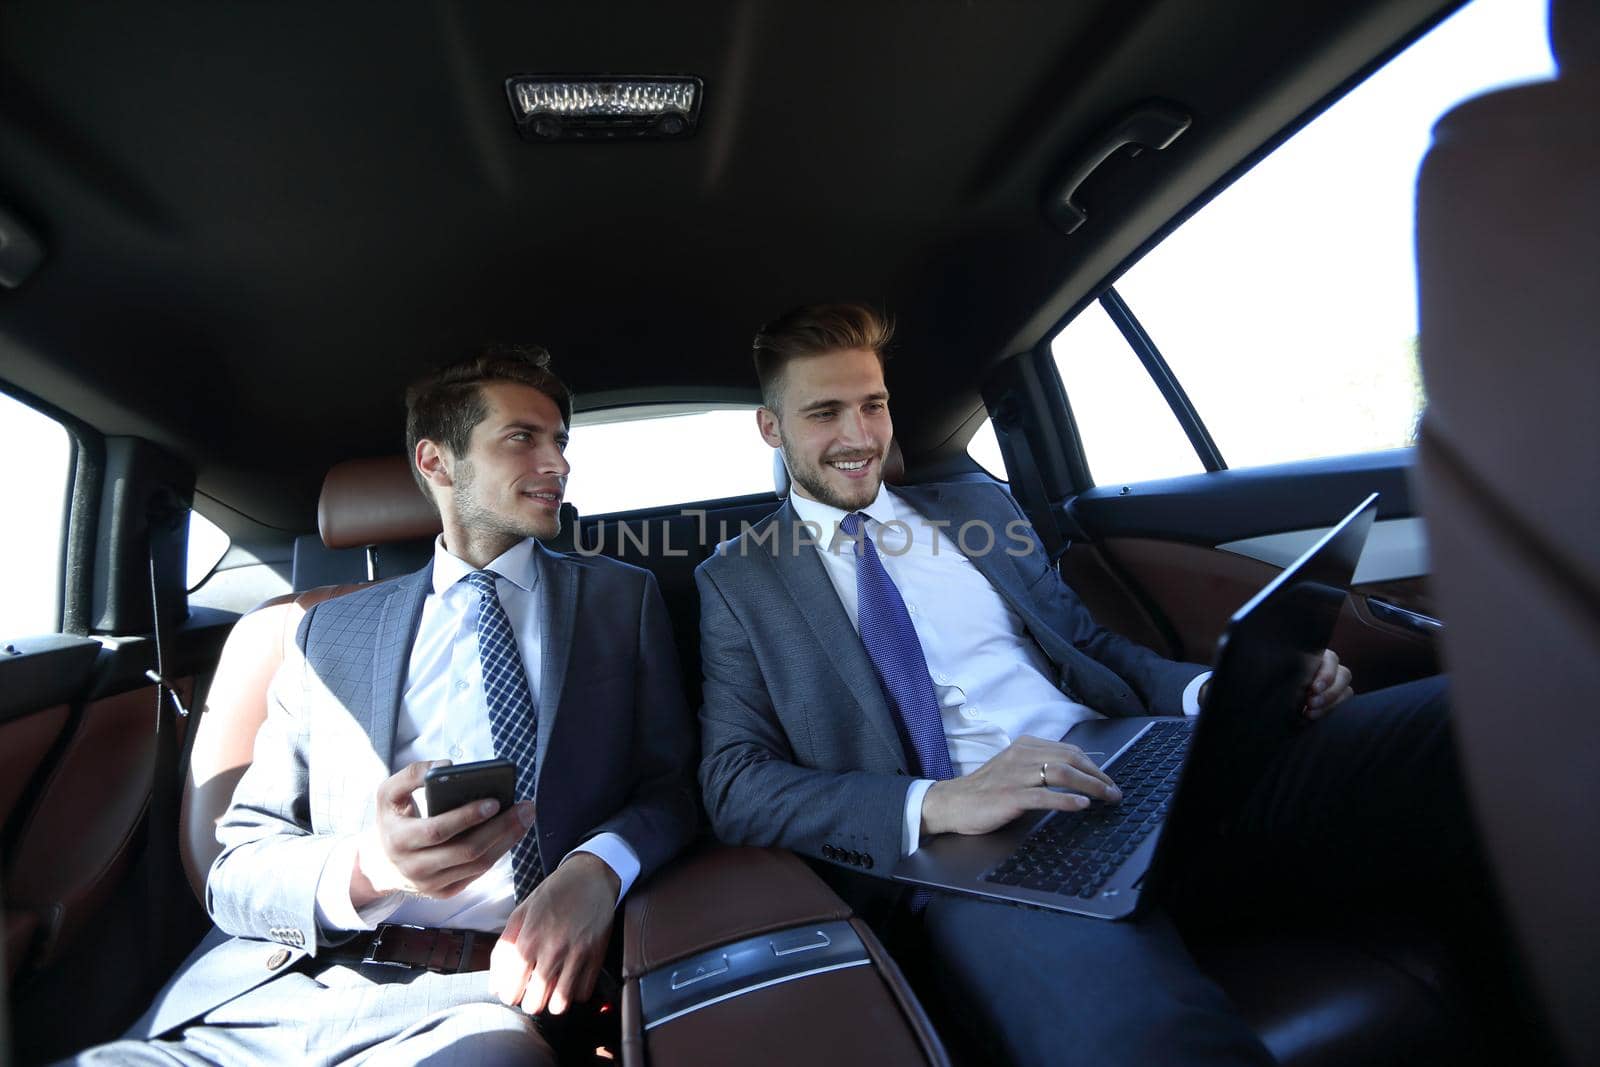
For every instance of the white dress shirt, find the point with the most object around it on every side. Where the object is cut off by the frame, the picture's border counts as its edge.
(993, 682)
(444, 715)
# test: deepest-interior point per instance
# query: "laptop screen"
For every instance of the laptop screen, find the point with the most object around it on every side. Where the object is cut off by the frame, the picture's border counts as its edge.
(1266, 658)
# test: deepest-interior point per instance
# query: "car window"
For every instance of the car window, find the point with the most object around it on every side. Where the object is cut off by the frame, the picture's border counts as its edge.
(1286, 307)
(628, 459)
(1128, 430)
(207, 545)
(984, 448)
(31, 542)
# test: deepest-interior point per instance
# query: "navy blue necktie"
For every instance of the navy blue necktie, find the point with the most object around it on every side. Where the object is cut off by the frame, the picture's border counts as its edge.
(513, 722)
(896, 655)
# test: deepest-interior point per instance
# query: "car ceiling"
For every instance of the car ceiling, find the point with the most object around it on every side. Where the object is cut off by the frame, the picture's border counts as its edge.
(261, 220)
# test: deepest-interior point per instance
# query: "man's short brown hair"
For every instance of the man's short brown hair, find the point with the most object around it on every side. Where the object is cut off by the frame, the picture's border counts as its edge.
(447, 404)
(811, 331)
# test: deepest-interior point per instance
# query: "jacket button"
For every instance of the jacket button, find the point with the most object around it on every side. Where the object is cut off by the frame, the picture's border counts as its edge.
(855, 857)
(278, 958)
(866, 860)
(827, 852)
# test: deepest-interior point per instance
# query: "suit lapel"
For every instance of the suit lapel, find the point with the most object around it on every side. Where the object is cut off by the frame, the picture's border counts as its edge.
(808, 584)
(397, 629)
(558, 619)
(996, 565)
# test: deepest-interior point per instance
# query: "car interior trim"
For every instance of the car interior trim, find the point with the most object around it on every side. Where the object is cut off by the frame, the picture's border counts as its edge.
(1397, 548)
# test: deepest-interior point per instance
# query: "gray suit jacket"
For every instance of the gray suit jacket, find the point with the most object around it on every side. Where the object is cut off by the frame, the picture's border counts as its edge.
(798, 744)
(615, 754)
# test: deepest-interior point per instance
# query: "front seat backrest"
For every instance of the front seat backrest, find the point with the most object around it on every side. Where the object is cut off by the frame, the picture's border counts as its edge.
(1508, 254)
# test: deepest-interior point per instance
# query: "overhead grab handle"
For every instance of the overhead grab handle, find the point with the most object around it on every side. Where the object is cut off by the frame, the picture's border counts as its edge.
(1152, 125)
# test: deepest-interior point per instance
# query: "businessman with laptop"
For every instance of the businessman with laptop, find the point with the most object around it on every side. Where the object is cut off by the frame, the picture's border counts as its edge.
(884, 668)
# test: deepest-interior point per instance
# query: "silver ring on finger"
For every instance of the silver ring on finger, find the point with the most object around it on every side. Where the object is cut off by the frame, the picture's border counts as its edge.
(1043, 782)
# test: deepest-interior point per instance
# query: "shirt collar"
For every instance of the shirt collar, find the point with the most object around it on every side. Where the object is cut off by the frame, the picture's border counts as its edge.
(881, 510)
(517, 565)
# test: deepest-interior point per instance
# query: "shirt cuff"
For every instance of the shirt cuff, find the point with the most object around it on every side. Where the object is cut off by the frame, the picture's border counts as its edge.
(617, 854)
(911, 839)
(334, 909)
(1191, 693)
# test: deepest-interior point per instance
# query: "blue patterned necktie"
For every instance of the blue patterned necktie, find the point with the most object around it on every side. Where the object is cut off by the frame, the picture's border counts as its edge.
(896, 655)
(513, 722)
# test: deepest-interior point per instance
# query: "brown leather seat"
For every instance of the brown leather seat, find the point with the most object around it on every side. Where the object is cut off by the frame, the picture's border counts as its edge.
(364, 503)
(710, 903)
(1508, 254)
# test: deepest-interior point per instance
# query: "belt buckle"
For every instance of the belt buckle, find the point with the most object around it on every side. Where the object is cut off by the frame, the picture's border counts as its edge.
(375, 949)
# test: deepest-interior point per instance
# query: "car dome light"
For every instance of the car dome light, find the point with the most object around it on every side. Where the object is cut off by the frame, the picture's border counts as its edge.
(596, 108)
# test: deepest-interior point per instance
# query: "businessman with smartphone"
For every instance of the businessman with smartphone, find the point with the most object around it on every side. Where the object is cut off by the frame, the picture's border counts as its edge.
(365, 912)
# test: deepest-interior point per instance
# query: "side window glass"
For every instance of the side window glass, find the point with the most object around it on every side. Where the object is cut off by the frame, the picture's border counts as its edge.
(207, 545)
(984, 448)
(1128, 431)
(1287, 306)
(630, 459)
(32, 539)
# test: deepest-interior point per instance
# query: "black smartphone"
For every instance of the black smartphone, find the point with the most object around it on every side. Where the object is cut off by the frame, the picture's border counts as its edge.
(462, 783)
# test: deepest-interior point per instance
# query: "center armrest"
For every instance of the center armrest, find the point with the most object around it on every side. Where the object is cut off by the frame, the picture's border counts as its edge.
(718, 894)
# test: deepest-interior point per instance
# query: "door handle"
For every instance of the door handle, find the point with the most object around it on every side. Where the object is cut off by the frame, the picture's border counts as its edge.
(1398, 616)
(1153, 125)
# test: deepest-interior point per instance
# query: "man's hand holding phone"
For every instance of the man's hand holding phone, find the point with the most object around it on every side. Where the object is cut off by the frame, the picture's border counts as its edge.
(436, 856)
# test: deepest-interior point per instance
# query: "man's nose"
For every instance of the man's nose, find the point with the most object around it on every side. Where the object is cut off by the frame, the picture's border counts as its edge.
(554, 461)
(853, 431)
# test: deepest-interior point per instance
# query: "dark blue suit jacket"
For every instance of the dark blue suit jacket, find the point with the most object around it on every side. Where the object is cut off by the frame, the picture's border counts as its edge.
(798, 745)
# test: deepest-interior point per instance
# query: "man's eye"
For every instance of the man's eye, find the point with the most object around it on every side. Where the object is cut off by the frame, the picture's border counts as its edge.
(820, 415)
(519, 437)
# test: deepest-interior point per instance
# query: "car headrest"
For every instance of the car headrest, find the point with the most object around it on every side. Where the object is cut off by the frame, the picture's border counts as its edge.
(373, 502)
(894, 468)
(780, 474)
(1575, 35)
(894, 463)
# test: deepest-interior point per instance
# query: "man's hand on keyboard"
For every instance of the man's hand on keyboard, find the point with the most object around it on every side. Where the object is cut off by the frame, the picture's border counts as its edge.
(1014, 782)
(1330, 686)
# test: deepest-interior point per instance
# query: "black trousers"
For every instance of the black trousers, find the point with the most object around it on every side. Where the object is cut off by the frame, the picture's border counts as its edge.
(1363, 810)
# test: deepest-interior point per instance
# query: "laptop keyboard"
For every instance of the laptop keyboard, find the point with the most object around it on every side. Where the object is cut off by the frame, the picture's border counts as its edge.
(1075, 853)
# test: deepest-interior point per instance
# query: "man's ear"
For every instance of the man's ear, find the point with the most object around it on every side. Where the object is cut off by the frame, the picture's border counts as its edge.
(767, 423)
(434, 462)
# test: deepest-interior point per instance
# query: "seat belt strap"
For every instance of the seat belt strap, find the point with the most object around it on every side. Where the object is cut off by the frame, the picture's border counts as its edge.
(170, 765)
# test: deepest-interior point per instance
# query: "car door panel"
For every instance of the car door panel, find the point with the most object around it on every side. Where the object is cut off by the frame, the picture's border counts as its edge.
(1190, 551)
(77, 842)
(41, 679)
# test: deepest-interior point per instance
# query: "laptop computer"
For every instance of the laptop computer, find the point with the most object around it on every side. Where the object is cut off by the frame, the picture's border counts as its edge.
(1180, 777)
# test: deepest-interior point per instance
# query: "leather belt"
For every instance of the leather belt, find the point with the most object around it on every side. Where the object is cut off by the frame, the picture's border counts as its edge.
(419, 948)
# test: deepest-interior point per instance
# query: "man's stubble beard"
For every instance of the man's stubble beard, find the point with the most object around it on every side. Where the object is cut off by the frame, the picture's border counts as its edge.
(480, 519)
(811, 480)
